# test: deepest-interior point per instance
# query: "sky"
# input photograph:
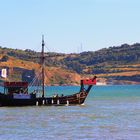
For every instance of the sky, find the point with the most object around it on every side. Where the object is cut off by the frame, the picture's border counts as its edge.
(69, 26)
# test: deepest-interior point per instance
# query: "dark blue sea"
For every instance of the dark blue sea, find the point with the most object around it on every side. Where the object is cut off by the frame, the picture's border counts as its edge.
(109, 113)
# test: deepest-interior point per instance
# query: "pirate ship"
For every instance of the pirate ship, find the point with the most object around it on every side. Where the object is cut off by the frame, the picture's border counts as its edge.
(18, 94)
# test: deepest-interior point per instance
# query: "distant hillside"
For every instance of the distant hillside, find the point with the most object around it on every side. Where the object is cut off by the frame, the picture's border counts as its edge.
(117, 64)
(53, 75)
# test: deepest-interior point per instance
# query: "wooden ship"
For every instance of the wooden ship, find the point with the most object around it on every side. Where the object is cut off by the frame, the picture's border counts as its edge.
(17, 93)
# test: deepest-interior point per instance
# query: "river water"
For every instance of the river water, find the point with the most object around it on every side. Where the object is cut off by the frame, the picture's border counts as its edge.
(109, 113)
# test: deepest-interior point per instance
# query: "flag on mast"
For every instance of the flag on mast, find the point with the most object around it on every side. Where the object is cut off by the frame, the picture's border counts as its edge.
(4, 73)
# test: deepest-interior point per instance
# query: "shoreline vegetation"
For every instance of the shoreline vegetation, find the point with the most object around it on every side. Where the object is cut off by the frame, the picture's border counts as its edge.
(113, 65)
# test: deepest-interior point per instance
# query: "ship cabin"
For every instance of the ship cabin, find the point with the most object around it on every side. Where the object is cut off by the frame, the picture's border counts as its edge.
(15, 88)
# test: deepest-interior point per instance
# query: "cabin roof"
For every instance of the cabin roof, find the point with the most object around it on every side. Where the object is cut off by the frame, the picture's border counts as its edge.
(16, 84)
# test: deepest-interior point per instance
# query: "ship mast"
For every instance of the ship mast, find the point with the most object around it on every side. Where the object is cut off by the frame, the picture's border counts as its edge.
(43, 66)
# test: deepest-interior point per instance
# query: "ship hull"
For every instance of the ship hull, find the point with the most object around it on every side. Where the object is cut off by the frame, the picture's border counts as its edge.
(75, 99)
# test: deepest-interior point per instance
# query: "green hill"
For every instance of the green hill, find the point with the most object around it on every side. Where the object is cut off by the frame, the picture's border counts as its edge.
(117, 64)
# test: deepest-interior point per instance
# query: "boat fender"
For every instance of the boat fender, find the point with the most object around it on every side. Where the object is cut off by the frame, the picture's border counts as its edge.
(37, 103)
(52, 101)
(58, 102)
(43, 102)
(67, 103)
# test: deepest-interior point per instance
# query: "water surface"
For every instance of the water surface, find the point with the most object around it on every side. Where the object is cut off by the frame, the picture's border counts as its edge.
(109, 113)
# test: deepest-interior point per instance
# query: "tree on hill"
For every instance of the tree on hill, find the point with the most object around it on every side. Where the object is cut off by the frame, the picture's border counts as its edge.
(4, 58)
